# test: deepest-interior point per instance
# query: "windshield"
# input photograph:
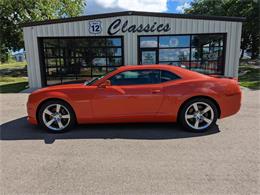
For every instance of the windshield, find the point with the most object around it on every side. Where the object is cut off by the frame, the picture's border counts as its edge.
(93, 80)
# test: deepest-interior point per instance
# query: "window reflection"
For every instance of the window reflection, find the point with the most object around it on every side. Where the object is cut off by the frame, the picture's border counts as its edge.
(174, 63)
(114, 52)
(53, 80)
(100, 42)
(114, 42)
(174, 41)
(203, 53)
(207, 67)
(114, 61)
(50, 43)
(206, 54)
(207, 40)
(99, 62)
(146, 42)
(174, 54)
(68, 59)
(98, 71)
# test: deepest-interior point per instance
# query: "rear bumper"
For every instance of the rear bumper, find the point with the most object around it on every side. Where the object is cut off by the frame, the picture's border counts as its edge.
(230, 104)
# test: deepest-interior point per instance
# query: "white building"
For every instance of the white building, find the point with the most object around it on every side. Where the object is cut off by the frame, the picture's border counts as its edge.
(79, 48)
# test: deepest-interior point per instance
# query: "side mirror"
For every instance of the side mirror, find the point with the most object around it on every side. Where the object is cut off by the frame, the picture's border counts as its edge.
(105, 84)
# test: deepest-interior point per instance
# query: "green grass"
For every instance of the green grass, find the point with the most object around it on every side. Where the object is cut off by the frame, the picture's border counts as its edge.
(13, 84)
(251, 84)
(251, 76)
(13, 77)
(13, 65)
(7, 79)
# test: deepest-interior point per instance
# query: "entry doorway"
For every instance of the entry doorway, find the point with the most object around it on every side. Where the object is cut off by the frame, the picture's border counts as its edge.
(149, 56)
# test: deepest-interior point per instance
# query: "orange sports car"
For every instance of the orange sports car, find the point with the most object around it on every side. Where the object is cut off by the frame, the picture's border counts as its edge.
(146, 93)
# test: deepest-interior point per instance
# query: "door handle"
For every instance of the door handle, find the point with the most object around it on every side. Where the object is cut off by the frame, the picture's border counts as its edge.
(156, 91)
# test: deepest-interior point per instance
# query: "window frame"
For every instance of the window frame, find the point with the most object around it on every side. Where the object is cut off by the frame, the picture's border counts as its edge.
(58, 77)
(221, 63)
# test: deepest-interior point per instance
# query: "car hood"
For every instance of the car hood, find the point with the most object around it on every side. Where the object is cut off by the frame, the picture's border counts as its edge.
(60, 87)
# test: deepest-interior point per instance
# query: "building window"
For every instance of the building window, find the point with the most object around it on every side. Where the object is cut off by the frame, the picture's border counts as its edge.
(180, 54)
(78, 59)
(202, 53)
(148, 41)
(174, 41)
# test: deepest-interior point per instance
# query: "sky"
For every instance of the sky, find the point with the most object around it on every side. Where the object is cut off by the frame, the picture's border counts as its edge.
(107, 6)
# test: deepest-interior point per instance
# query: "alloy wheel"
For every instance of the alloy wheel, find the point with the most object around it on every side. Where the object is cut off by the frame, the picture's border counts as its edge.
(56, 117)
(199, 115)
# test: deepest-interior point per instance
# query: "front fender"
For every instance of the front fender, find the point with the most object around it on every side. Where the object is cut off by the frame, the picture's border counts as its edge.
(37, 99)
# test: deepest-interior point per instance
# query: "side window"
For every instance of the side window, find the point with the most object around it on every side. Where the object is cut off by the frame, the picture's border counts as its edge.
(168, 76)
(136, 77)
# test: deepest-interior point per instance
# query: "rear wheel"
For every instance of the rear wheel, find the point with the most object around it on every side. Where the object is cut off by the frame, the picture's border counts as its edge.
(199, 115)
(56, 116)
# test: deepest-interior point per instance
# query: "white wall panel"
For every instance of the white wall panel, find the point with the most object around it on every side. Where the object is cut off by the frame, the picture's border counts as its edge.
(177, 25)
(32, 59)
(200, 26)
(36, 59)
(228, 42)
(237, 49)
(194, 26)
(28, 56)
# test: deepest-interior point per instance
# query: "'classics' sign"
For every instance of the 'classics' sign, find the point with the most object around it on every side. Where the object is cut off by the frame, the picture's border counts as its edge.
(117, 26)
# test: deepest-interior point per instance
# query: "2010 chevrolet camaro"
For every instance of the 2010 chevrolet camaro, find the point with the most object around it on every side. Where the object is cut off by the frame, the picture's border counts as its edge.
(148, 93)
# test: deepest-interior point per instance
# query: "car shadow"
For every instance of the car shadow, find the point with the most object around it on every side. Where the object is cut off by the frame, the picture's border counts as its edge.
(20, 129)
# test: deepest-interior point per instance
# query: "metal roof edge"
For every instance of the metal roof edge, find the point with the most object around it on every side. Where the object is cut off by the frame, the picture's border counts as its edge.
(134, 13)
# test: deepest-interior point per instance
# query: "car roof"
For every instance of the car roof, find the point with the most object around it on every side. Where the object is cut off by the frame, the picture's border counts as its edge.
(148, 66)
(182, 72)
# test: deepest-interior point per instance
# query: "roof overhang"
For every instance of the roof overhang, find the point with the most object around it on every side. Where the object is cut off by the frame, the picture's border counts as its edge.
(133, 13)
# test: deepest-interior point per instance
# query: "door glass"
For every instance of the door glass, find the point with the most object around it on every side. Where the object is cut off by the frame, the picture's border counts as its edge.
(136, 77)
(148, 57)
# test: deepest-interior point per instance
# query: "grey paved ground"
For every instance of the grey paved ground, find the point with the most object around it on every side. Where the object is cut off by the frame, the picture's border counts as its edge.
(130, 159)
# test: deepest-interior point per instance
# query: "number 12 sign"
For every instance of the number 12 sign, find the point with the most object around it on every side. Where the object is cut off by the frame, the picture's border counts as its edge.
(95, 27)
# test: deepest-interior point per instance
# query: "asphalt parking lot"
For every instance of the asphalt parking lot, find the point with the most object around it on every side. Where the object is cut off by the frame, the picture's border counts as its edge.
(130, 158)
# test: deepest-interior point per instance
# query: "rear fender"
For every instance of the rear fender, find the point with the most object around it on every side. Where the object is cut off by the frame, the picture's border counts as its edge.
(176, 95)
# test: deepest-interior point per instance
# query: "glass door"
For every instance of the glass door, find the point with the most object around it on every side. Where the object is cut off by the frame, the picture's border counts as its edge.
(148, 56)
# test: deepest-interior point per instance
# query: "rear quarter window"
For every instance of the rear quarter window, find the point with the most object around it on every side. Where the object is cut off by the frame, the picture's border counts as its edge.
(168, 76)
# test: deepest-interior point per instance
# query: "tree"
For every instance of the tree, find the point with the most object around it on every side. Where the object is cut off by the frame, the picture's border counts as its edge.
(239, 8)
(13, 13)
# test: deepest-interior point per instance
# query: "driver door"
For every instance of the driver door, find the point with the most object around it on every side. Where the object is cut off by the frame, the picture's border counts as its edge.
(132, 93)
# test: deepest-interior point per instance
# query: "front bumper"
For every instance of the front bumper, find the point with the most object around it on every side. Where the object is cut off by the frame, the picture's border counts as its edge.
(31, 111)
(32, 121)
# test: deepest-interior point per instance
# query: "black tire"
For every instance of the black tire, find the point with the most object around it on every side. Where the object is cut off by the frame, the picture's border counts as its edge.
(188, 105)
(66, 108)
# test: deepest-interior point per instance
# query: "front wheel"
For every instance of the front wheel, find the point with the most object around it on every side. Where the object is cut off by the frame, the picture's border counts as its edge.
(56, 116)
(199, 115)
